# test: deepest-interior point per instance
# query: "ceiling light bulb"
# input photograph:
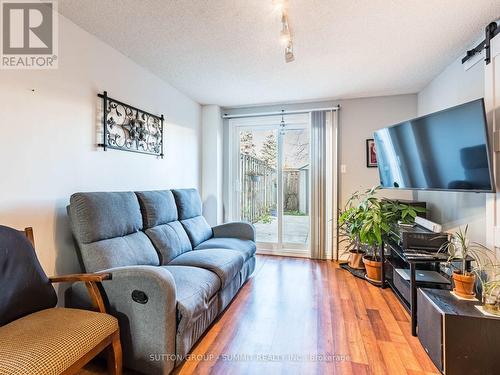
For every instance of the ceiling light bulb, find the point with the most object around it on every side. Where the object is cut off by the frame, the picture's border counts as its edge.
(289, 56)
(280, 5)
(285, 37)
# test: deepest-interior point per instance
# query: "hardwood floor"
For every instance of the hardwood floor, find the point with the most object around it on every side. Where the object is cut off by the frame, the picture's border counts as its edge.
(309, 317)
(299, 316)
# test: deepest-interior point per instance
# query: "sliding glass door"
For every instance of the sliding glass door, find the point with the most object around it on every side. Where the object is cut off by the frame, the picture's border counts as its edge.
(271, 180)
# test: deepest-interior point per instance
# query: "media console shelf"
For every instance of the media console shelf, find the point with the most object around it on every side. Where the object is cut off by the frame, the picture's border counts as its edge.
(457, 336)
(404, 273)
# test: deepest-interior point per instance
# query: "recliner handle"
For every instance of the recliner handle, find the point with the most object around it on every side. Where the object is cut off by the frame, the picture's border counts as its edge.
(140, 297)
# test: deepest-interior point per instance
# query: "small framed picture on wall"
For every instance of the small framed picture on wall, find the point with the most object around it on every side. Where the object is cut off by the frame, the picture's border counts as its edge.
(371, 154)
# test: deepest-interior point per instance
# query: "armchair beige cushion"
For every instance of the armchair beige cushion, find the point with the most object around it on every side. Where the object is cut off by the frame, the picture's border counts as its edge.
(51, 341)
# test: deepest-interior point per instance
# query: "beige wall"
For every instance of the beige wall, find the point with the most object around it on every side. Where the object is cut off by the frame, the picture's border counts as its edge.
(48, 139)
(358, 119)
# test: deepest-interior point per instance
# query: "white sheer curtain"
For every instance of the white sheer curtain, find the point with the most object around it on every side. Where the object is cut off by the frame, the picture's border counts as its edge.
(323, 183)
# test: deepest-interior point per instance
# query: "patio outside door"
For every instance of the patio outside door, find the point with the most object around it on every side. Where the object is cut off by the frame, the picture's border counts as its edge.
(271, 181)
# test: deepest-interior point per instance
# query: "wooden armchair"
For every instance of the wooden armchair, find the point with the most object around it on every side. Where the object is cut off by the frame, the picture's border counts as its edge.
(37, 338)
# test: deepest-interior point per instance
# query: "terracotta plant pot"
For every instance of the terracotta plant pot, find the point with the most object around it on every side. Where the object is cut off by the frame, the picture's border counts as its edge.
(356, 259)
(464, 285)
(373, 269)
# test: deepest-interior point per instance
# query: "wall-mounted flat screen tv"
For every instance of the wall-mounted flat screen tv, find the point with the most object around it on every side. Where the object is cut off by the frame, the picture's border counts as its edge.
(445, 150)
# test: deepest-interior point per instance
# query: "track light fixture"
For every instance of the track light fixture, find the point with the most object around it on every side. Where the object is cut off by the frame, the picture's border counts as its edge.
(285, 36)
(289, 56)
(285, 33)
(282, 122)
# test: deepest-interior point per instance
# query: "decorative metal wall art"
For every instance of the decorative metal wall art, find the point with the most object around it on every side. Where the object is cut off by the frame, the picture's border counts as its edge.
(131, 129)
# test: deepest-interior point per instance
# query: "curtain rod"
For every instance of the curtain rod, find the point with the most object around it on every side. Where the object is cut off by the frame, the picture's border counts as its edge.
(278, 113)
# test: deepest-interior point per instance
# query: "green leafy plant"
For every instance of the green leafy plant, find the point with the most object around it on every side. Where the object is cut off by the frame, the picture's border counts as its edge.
(295, 213)
(266, 217)
(367, 220)
(407, 213)
(350, 222)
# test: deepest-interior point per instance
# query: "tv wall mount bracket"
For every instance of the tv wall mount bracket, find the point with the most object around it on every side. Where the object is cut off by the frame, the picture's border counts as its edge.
(490, 32)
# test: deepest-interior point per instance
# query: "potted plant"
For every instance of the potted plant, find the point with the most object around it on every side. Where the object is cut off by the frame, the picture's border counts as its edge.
(366, 220)
(491, 296)
(487, 271)
(460, 250)
(254, 176)
(349, 227)
(377, 219)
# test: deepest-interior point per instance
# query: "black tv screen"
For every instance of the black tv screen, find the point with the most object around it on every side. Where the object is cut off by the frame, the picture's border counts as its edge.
(446, 150)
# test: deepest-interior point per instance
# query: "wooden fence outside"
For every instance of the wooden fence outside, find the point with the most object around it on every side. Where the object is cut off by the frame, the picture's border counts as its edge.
(259, 186)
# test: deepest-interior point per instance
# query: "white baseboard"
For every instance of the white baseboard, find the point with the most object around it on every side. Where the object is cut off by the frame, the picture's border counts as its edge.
(288, 253)
(284, 253)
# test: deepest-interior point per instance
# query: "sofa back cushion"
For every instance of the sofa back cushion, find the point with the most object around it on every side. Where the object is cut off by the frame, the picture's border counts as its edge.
(170, 240)
(157, 207)
(107, 227)
(25, 288)
(188, 203)
(189, 209)
(160, 217)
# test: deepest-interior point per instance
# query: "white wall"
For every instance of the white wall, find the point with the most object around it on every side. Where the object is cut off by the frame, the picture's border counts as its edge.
(358, 119)
(454, 86)
(212, 172)
(48, 139)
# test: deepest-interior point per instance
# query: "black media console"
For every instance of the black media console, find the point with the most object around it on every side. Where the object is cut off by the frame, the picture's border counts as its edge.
(457, 336)
(405, 270)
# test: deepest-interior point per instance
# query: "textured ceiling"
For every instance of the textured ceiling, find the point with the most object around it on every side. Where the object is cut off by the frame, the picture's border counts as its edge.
(227, 52)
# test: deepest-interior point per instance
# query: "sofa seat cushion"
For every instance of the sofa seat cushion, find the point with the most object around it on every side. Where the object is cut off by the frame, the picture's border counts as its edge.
(195, 288)
(226, 264)
(197, 301)
(51, 340)
(247, 248)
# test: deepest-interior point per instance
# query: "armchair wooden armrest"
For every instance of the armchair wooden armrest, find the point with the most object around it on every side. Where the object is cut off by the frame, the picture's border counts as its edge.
(90, 280)
(84, 277)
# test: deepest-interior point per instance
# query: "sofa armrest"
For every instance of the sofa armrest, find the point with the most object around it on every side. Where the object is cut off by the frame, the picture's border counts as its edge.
(235, 229)
(143, 298)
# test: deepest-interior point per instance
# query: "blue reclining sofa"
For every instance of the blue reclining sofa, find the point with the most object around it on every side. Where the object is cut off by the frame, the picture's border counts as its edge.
(172, 274)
